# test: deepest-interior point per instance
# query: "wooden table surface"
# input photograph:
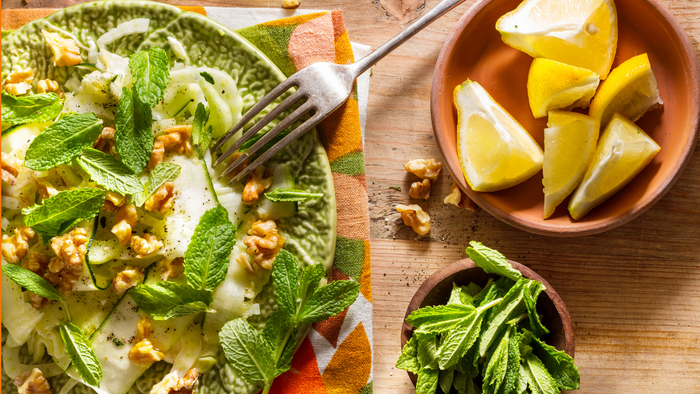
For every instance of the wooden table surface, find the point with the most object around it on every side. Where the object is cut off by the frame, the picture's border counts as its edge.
(633, 293)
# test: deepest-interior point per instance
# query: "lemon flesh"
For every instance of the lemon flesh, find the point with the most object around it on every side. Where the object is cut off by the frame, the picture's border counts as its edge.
(553, 85)
(631, 90)
(623, 151)
(569, 144)
(494, 150)
(581, 33)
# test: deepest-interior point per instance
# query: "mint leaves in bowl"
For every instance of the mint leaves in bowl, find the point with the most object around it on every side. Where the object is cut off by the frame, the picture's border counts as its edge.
(490, 325)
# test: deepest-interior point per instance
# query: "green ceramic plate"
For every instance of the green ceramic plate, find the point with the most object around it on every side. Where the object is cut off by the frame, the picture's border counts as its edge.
(310, 233)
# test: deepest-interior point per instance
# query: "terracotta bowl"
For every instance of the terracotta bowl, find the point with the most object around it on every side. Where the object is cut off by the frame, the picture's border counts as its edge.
(436, 291)
(474, 50)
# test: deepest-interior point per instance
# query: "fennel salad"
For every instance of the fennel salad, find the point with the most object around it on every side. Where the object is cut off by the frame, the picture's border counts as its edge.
(129, 264)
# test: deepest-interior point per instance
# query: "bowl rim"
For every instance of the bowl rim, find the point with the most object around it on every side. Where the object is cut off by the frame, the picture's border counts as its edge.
(580, 229)
(465, 264)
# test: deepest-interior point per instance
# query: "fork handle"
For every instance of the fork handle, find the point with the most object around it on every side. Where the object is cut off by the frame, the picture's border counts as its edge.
(365, 63)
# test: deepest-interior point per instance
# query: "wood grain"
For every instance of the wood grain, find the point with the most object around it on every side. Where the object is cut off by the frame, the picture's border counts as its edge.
(633, 293)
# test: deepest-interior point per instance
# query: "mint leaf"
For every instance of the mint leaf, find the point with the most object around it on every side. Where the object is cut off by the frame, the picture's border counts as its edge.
(207, 77)
(559, 364)
(538, 379)
(151, 74)
(169, 300)
(201, 137)
(427, 353)
(497, 365)
(35, 108)
(460, 295)
(531, 295)
(159, 176)
(278, 332)
(285, 277)
(458, 341)
(474, 289)
(408, 361)
(109, 172)
(512, 375)
(64, 211)
(329, 300)
(207, 256)
(134, 139)
(247, 352)
(491, 261)
(62, 141)
(512, 305)
(427, 381)
(291, 195)
(31, 281)
(81, 354)
(433, 320)
(310, 279)
(445, 379)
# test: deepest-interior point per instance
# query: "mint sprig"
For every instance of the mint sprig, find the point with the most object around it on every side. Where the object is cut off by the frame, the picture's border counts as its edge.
(207, 256)
(298, 305)
(35, 108)
(109, 172)
(291, 195)
(159, 176)
(491, 261)
(63, 211)
(151, 75)
(62, 141)
(201, 136)
(170, 300)
(134, 139)
(81, 354)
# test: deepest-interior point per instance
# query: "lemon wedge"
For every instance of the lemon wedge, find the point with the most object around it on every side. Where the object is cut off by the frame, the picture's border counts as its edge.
(494, 150)
(630, 89)
(623, 151)
(569, 144)
(552, 85)
(582, 33)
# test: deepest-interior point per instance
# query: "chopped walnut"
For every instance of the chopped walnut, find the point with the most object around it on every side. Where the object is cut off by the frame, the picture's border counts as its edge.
(173, 384)
(14, 248)
(156, 155)
(255, 186)
(176, 139)
(424, 169)
(48, 86)
(65, 50)
(415, 217)
(162, 200)
(144, 352)
(32, 382)
(105, 142)
(145, 245)
(45, 189)
(70, 250)
(126, 279)
(11, 166)
(113, 200)
(143, 329)
(36, 262)
(18, 82)
(264, 243)
(420, 190)
(122, 231)
(460, 199)
(126, 219)
(171, 269)
(291, 3)
(39, 302)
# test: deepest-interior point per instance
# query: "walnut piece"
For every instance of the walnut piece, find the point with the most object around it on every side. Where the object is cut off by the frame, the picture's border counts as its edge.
(14, 248)
(171, 269)
(143, 352)
(415, 217)
(65, 50)
(65, 269)
(264, 243)
(113, 200)
(38, 301)
(162, 200)
(460, 199)
(256, 185)
(45, 188)
(420, 190)
(37, 263)
(156, 155)
(173, 384)
(176, 139)
(32, 382)
(48, 86)
(126, 218)
(126, 279)
(291, 3)
(18, 82)
(105, 142)
(11, 166)
(145, 245)
(424, 169)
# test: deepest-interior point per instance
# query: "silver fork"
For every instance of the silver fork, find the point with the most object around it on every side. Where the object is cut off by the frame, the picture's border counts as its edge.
(324, 86)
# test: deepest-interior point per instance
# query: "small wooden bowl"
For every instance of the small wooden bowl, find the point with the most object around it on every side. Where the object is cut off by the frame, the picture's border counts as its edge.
(436, 291)
(474, 50)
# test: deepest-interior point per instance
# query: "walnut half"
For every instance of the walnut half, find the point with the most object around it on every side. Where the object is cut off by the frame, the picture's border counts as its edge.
(14, 248)
(264, 243)
(65, 50)
(256, 186)
(65, 269)
(144, 352)
(126, 279)
(11, 166)
(415, 217)
(32, 382)
(420, 190)
(424, 169)
(145, 245)
(18, 82)
(162, 200)
(173, 384)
